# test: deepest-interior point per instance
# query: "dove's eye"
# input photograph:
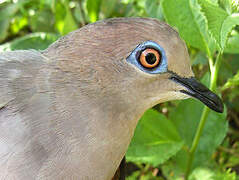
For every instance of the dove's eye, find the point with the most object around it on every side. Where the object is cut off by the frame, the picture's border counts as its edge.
(150, 58)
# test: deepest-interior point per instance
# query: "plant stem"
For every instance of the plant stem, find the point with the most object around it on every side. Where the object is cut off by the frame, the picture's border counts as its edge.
(214, 74)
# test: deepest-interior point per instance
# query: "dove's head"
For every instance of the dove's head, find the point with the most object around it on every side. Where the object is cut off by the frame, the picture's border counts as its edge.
(135, 62)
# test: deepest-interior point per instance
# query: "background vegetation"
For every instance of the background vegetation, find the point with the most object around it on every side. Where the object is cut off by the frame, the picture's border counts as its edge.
(174, 140)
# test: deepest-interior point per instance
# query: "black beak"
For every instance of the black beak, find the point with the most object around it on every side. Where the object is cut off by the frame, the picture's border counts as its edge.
(199, 91)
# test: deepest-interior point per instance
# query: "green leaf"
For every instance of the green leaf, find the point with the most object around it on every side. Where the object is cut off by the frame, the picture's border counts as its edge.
(155, 139)
(199, 58)
(233, 44)
(37, 41)
(8, 11)
(232, 81)
(6, 14)
(19, 23)
(230, 22)
(190, 22)
(186, 118)
(38, 21)
(69, 22)
(134, 175)
(226, 4)
(93, 8)
(208, 174)
(153, 9)
(4, 24)
(107, 7)
(60, 13)
(220, 23)
(79, 14)
(65, 21)
(202, 173)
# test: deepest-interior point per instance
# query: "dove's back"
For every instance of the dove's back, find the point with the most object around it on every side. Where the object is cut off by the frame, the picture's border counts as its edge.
(23, 99)
(45, 120)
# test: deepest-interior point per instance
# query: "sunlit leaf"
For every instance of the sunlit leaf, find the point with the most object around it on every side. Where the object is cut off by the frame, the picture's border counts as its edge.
(220, 23)
(19, 23)
(60, 14)
(226, 5)
(186, 118)
(155, 140)
(153, 9)
(107, 7)
(232, 81)
(69, 22)
(202, 173)
(232, 44)
(4, 24)
(209, 174)
(37, 41)
(6, 14)
(38, 21)
(93, 8)
(190, 22)
(230, 22)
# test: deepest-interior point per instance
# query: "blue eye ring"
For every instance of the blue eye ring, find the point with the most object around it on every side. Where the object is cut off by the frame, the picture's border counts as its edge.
(133, 58)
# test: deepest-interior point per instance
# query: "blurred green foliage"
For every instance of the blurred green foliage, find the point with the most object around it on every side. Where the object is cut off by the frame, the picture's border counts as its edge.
(163, 140)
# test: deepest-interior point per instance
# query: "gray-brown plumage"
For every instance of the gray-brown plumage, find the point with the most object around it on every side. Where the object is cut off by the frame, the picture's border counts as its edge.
(69, 112)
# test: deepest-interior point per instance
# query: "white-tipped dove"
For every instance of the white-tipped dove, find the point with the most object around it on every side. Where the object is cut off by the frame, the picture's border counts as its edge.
(69, 112)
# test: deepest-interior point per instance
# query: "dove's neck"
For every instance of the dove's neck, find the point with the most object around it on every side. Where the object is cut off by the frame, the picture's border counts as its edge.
(98, 132)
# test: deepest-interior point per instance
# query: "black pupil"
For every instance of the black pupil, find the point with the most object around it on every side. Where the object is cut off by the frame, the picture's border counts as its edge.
(150, 58)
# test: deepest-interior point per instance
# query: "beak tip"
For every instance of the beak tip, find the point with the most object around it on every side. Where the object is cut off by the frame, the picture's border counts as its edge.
(218, 104)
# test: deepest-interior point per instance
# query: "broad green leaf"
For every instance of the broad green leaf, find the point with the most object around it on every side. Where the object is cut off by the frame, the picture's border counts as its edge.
(214, 1)
(153, 9)
(215, 18)
(235, 6)
(60, 14)
(202, 173)
(69, 22)
(37, 41)
(134, 175)
(220, 23)
(232, 81)
(190, 22)
(79, 14)
(232, 44)
(155, 140)
(146, 176)
(8, 11)
(230, 22)
(200, 58)
(65, 21)
(209, 174)
(186, 118)
(213, 134)
(107, 7)
(228, 175)
(4, 24)
(19, 23)
(6, 14)
(38, 21)
(226, 5)
(93, 8)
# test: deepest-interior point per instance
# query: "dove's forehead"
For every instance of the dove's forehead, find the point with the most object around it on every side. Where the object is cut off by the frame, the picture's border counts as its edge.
(117, 38)
(121, 35)
(127, 32)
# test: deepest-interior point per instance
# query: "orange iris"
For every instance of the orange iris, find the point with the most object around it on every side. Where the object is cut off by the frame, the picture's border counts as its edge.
(150, 58)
